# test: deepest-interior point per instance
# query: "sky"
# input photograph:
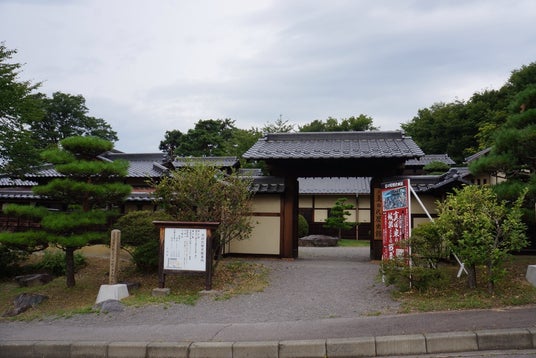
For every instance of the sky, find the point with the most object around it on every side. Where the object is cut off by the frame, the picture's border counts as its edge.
(147, 67)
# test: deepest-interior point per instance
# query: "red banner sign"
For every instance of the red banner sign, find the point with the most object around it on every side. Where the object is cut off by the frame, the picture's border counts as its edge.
(396, 214)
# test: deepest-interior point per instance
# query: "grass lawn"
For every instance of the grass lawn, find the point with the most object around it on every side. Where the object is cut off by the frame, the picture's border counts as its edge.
(232, 277)
(353, 243)
(453, 294)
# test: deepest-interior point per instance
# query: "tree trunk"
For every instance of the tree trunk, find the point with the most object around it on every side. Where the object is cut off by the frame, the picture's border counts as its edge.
(471, 276)
(491, 285)
(69, 266)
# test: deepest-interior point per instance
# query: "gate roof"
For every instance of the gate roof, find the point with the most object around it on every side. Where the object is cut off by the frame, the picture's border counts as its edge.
(335, 153)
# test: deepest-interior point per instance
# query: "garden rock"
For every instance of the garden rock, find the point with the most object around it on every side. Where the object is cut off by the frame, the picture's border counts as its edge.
(109, 306)
(23, 302)
(37, 279)
(318, 241)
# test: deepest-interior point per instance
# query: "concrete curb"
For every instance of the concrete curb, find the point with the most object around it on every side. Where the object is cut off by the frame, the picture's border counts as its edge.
(427, 343)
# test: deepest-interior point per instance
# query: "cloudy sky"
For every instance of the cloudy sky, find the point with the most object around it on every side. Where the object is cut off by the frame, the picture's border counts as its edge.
(150, 66)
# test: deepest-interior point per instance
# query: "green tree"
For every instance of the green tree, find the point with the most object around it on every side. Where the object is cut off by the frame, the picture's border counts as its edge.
(436, 167)
(171, 141)
(337, 217)
(210, 137)
(278, 126)
(481, 230)
(88, 190)
(18, 108)
(203, 193)
(65, 116)
(513, 155)
(359, 123)
(446, 127)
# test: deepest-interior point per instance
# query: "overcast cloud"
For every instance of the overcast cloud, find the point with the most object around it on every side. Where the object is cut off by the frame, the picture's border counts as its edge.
(150, 66)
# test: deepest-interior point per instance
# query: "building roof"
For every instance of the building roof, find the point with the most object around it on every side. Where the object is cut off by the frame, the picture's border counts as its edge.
(438, 183)
(141, 165)
(477, 155)
(429, 158)
(9, 182)
(220, 162)
(338, 185)
(267, 185)
(326, 145)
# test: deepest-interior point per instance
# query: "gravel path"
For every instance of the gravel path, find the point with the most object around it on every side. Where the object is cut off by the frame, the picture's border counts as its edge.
(331, 282)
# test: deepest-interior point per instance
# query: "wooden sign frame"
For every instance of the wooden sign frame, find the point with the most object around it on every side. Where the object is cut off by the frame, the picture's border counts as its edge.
(185, 247)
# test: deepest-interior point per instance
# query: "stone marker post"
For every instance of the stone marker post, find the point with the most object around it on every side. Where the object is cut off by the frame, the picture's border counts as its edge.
(115, 247)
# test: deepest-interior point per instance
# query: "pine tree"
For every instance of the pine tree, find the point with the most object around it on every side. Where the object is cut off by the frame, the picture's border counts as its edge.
(87, 191)
(337, 217)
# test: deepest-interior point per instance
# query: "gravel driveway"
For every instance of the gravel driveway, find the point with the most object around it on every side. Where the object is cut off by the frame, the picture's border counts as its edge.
(332, 282)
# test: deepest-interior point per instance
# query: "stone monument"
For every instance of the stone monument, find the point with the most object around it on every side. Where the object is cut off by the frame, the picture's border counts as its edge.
(113, 291)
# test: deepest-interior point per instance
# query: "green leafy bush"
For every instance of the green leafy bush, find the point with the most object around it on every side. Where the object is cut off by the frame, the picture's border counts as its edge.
(10, 259)
(140, 237)
(396, 272)
(54, 262)
(303, 226)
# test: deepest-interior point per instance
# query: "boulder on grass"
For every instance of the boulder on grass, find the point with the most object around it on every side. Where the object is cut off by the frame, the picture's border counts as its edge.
(37, 279)
(23, 302)
(318, 241)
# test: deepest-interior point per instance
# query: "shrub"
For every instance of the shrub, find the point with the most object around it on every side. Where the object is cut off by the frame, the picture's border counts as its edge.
(140, 237)
(396, 272)
(303, 226)
(54, 262)
(10, 259)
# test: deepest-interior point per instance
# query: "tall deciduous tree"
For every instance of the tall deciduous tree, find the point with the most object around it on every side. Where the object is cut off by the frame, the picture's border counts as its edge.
(18, 108)
(88, 190)
(446, 127)
(209, 138)
(66, 115)
(481, 229)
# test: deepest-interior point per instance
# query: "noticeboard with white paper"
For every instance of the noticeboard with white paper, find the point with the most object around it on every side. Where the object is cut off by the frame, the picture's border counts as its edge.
(185, 249)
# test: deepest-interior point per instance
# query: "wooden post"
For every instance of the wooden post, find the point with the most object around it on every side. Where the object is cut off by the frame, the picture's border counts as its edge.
(115, 247)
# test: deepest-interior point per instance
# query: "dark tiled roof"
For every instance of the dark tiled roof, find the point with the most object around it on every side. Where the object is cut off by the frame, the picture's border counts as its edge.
(18, 193)
(327, 145)
(429, 158)
(220, 162)
(339, 185)
(141, 165)
(9, 182)
(475, 156)
(431, 183)
(267, 184)
(144, 165)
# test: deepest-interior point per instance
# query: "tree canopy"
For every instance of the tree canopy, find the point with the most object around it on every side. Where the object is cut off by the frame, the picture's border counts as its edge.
(31, 121)
(481, 229)
(203, 193)
(462, 128)
(66, 115)
(18, 108)
(359, 123)
(210, 137)
(86, 192)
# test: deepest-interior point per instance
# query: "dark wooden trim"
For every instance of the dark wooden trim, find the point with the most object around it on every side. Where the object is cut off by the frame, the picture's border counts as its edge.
(266, 214)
